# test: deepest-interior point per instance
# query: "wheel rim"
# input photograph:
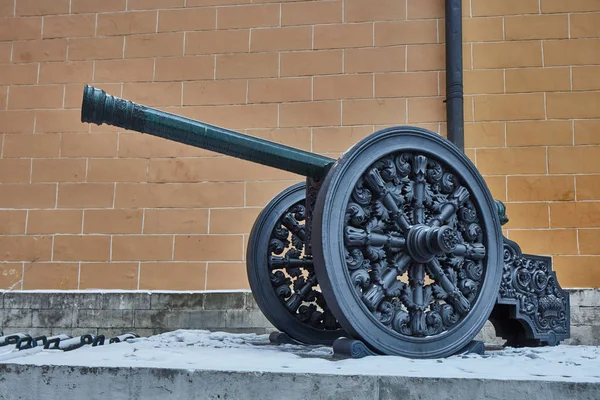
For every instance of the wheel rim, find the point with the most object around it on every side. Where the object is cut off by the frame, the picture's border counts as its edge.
(282, 277)
(401, 206)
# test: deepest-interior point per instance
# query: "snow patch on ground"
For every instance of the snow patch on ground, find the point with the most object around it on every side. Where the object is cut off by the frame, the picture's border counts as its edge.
(204, 350)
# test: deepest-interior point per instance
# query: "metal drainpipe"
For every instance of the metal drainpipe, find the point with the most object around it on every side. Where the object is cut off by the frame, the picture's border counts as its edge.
(454, 74)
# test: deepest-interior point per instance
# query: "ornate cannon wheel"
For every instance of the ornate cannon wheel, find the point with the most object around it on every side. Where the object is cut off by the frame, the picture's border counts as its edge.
(282, 277)
(407, 244)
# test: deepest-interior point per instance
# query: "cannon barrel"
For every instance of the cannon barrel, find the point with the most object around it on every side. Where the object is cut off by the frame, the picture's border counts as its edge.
(98, 107)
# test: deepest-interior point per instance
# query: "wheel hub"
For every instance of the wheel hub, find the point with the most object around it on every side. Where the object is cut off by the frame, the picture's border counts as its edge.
(423, 242)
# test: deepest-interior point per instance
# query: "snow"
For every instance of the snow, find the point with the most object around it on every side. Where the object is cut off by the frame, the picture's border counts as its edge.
(204, 350)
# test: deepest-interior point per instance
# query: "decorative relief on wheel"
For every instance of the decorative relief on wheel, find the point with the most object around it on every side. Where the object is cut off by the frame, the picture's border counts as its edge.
(414, 244)
(292, 274)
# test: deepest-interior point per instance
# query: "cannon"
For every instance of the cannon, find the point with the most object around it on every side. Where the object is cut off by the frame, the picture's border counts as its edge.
(397, 244)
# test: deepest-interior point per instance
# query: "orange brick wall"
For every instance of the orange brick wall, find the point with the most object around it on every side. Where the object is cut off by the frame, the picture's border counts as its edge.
(95, 207)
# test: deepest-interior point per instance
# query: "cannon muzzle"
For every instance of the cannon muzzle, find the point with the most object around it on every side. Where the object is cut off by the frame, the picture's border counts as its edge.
(99, 108)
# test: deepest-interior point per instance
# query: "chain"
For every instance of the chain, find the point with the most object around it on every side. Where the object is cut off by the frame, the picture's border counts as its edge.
(23, 341)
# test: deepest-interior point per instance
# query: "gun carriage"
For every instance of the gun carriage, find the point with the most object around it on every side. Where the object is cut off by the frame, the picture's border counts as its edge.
(397, 243)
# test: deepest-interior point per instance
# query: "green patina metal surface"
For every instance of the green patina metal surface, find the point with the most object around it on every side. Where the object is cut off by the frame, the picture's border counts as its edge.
(99, 107)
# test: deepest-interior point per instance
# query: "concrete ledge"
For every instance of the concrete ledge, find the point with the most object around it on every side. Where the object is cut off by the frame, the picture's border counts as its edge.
(27, 382)
(148, 313)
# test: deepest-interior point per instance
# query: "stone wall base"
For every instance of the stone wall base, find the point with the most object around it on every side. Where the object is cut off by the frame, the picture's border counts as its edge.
(147, 313)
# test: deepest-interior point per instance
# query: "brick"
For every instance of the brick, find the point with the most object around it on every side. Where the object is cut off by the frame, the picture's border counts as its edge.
(483, 29)
(5, 51)
(507, 54)
(343, 36)
(586, 78)
(497, 186)
(546, 242)
(338, 139)
(189, 19)
(310, 114)
(575, 215)
(576, 271)
(18, 74)
(58, 170)
(215, 42)
(279, 90)
(84, 195)
(12, 222)
(226, 276)
(235, 116)
(81, 248)
(17, 319)
(176, 221)
(201, 3)
(553, 6)
(158, 44)
(384, 59)
(425, 9)
(67, 72)
(11, 275)
(117, 170)
(376, 111)
(575, 159)
(232, 220)
(27, 196)
(571, 52)
(343, 87)
(428, 57)
(405, 32)
(509, 107)
(303, 63)
(224, 301)
(20, 28)
(41, 7)
(24, 97)
(313, 12)
(132, 145)
(126, 248)
(512, 161)
(539, 133)
(177, 301)
(263, 65)
(135, 70)
(48, 121)
(211, 169)
(585, 25)
(588, 241)
(184, 68)
(206, 194)
(103, 318)
(527, 216)
(93, 6)
(588, 187)
(507, 7)
(172, 276)
(484, 81)
(53, 318)
(33, 301)
(154, 4)
(15, 170)
(573, 105)
(375, 10)
(585, 132)
(112, 221)
(286, 38)
(214, 92)
(40, 50)
(127, 23)
(3, 97)
(122, 276)
(7, 8)
(89, 145)
(61, 276)
(259, 193)
(54, 221)
(26, 248)
(208, 247)
(536, 27)
(69, 26)
(251, 16)
(426, 109)
(406, 84)
(99, 48)
(537, 80)
(153, 94)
